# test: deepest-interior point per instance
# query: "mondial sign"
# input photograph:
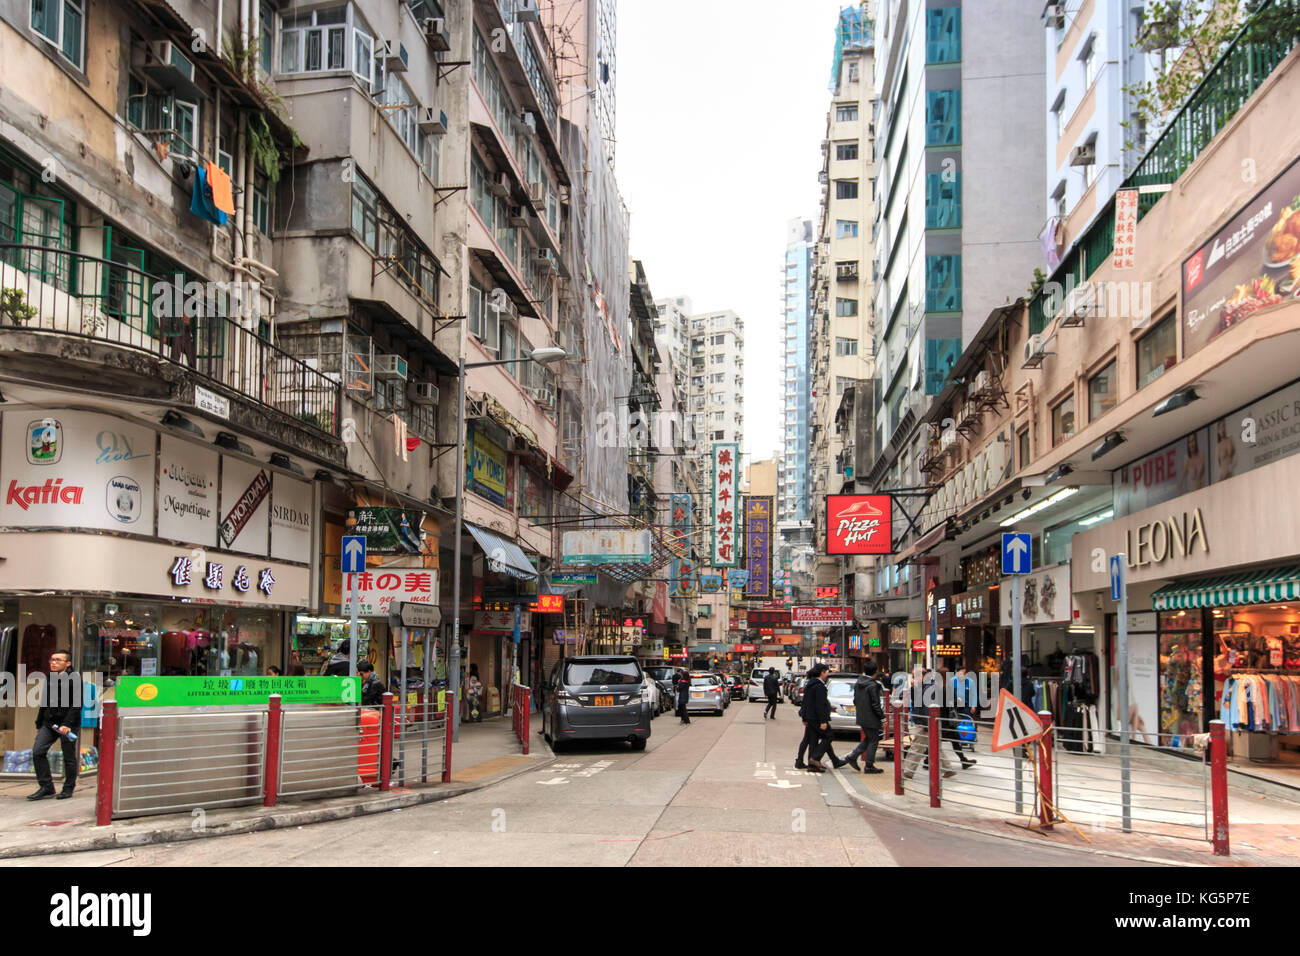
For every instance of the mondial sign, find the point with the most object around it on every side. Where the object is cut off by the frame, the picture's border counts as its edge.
(859, 524)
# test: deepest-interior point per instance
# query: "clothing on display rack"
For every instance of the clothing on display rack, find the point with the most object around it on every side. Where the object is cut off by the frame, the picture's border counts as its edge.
(1267, 703)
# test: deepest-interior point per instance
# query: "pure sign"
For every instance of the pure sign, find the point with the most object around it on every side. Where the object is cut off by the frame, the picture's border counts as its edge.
(859, 524)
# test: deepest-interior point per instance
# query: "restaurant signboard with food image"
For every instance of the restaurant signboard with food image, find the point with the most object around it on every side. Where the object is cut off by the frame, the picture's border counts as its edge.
(1252, 263)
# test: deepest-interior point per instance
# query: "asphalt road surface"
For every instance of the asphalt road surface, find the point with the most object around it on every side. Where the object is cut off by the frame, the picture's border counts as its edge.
(719, 792)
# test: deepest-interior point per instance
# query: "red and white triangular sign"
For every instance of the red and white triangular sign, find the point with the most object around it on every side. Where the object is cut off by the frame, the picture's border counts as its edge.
(1015, 723)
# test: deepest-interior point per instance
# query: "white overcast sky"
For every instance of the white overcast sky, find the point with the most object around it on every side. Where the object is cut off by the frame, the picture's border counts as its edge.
(721, 114)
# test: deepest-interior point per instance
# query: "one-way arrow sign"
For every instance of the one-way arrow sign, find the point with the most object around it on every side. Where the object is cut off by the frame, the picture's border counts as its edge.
(1015, 723)
(1017, 552)
(353, 559)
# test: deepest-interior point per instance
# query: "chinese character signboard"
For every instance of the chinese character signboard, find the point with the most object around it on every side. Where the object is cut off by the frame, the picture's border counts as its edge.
(378, 589)
(821, 616)
(758, 546)
(726, 484)
(234, 691)
(737, 579)
(606, 546)
(859, 524)
(681, 574)
(1126, 220)
(389, 530)
(710, 583)
(1245, 266)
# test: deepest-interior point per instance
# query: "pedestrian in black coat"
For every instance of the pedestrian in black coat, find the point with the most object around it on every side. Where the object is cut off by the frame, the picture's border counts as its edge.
(817, 713)
(869, 712)
(57, 720)
(683, 695)
(771, 687)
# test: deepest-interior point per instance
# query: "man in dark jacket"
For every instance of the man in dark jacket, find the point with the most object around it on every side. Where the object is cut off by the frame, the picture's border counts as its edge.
(817, 710)
(340, 664)
(683, 695)
(870, 715)
(771, 687)
(372, 688)
(58, 718)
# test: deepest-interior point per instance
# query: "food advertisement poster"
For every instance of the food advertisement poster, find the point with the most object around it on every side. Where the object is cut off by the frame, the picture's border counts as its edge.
(1253, 262)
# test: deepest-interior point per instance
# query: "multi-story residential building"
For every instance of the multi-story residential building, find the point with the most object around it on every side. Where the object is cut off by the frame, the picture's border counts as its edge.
(794, 518)
(843, 287)
(953, 236)
(677, 488)
(1095, 63)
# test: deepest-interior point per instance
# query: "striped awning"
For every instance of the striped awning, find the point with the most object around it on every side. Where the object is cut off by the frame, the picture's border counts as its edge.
(1250, 587)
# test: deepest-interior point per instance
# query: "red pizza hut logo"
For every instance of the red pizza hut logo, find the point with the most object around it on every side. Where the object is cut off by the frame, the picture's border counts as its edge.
(53, 492)
(859, 524)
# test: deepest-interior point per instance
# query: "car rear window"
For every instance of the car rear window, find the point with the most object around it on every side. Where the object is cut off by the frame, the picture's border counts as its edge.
(602, 672)
(840, 687)
(703, 681)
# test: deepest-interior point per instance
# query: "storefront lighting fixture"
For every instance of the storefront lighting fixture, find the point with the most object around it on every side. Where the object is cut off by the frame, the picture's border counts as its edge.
(323, 475)
(1057, 475)
(1107, 445)
(1180, 398)
(230, 441)
(1034, 509)
(281, 460)
(1099, 516)
(174, 419)
(1081, 629)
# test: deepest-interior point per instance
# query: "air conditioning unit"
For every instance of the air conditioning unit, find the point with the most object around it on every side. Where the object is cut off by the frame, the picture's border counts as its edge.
(518, 216)
(983, 382)
(545, 259)
(1034, 351)
(526, 12)
(432, 121)
(537, 195)
(544, 396)
(422, 393)
(166, 64)
(435, 33)
(1055, 16)
(948, 440)
(529, 119)
(565, 195)
(393, 55)
(390, 367)
(499, 185)
(1084, 155)
(1079, 304)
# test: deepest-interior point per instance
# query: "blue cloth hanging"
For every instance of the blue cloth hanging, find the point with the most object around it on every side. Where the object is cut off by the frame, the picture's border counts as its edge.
(201, 200)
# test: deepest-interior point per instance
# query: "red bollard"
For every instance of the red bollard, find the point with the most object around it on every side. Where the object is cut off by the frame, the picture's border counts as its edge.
(528, 702)
(1045, 771)
(898, 751)
(932, 754)
(1219, 786)
(386, 743)
(446, 760)
(107, 765)
(271, 778)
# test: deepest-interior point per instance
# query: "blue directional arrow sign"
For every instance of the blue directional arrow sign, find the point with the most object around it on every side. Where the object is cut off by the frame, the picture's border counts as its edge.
(354, 554)
(1116, 577)
(1017, 552)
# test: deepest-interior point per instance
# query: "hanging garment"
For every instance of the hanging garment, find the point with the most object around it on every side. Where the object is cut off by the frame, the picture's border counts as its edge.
(201, 203)
(223, 198)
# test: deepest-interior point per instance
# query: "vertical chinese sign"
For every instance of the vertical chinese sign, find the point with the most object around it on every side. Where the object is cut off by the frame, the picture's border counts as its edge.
(1126, 220)
(758, 546)
(726, 483)
(681, 576)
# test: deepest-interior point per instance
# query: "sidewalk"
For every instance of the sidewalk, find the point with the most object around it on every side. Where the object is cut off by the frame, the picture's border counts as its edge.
(1264, 830)
(486, 753)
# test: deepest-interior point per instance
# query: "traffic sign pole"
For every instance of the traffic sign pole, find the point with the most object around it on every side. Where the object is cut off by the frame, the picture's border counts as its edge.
(352, 562)
(1015, 678)
(1119, 565)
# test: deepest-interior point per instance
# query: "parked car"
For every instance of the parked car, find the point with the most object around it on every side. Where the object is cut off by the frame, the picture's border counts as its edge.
(796, 690)
(597, 697)
(707, 693)
(755, 685)
(839, 693)
(726, 689)
(737, 685)
(663, 676)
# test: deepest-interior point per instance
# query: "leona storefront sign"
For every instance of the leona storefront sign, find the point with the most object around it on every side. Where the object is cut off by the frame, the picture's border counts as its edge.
(1176, 536)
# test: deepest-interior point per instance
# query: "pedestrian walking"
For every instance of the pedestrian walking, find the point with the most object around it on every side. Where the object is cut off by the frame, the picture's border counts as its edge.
(817, 710)
(870, 714)
(339, 665)
(924, 687)
(683, 695)
(372, 688)
(274, 671)
(474, 695)
(771, 687)
(58, 719)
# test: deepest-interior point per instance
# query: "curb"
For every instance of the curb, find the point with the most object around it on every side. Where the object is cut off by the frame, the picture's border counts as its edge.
(271, 821)
(874, 803)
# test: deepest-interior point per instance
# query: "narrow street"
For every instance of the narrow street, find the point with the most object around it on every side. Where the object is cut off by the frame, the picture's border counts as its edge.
(721, 791)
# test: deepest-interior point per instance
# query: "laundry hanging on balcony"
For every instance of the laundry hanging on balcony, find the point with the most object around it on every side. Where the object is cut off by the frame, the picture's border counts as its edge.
(201, 203)
(223, 196)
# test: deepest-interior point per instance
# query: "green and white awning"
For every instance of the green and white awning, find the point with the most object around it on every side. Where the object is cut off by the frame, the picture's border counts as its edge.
(1266, 586)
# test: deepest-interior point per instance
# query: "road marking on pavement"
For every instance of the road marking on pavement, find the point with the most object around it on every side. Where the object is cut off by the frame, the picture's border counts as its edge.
(785, 785)
(765, 771)
(551, 782)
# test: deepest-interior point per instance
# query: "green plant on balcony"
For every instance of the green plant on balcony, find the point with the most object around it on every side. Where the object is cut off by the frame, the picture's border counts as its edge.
(14, 308)
(1039, 278)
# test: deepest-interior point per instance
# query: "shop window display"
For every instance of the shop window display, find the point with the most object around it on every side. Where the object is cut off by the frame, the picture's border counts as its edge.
(166, 640)
(315, 640)
(1182, 690)
(1257, 677)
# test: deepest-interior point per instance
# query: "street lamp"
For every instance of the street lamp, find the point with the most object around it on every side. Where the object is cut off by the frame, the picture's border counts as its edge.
(542, 356)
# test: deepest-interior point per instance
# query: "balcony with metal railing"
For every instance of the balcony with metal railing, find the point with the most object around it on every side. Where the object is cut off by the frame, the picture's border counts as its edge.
(63, 294)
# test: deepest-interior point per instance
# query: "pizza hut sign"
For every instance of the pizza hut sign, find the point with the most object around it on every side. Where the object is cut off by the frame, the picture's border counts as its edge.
(859, 524)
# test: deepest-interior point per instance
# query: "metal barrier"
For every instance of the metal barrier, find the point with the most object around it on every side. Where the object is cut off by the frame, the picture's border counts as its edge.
(1160, 786)
(174, 759)
(520, 701)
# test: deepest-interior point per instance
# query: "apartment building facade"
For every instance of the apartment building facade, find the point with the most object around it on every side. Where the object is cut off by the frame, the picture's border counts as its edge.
(794, 523)
(953, 238)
